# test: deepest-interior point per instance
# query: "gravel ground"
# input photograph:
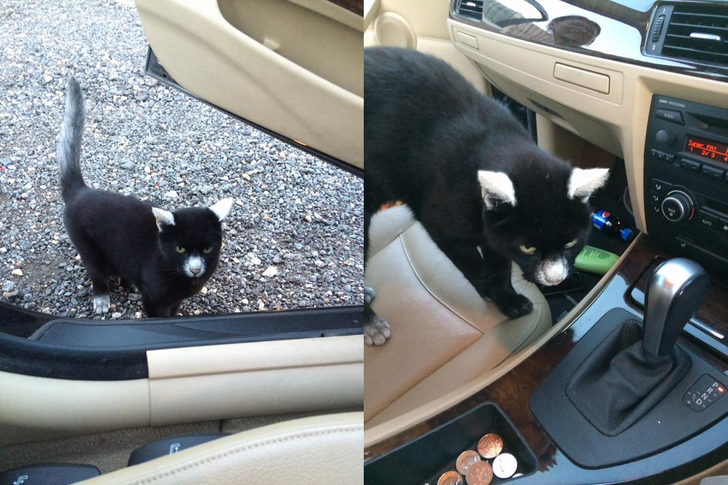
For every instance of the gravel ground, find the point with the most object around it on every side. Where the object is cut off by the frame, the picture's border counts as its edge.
(294, 216)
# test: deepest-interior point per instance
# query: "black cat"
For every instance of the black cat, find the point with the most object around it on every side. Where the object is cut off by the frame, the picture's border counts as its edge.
(168, 256)
(485, 193)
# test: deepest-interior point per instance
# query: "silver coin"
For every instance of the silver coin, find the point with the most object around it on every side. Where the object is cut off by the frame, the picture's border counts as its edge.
(504, 465)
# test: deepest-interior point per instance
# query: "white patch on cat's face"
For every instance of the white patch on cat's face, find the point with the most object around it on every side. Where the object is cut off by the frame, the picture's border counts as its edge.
(163, 217)
(194, 267)
(552, 271)
(222, 208)
(496, 187)
(583, 183)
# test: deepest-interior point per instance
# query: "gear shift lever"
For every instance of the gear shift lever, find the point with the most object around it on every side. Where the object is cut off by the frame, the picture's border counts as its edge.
(674, 293)
(634, 368)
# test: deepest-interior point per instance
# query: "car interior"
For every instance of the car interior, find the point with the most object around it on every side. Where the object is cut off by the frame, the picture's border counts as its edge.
(618, 375)
(257, 394)
(636, 87)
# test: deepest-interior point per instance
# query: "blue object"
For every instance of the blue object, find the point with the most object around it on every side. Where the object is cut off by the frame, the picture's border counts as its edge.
(610, 225)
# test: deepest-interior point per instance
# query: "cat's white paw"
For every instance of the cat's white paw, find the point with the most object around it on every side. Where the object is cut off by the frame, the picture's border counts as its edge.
(376, 331)
(102, 303)
(368, 295)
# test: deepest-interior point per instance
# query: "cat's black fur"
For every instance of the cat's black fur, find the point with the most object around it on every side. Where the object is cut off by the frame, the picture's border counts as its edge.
(120, 235)
(428, 133)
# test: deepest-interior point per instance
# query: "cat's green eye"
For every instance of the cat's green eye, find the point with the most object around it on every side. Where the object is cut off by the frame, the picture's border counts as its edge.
(207, 251)
(527, 250)
(571, 244)
(180, 249)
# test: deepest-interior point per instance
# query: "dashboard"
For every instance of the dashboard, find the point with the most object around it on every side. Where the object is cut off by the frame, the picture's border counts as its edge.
(599, 69)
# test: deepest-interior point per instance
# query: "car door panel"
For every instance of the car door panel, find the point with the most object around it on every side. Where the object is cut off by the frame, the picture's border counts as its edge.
(294, 67)
(226, 381)
(223, 381)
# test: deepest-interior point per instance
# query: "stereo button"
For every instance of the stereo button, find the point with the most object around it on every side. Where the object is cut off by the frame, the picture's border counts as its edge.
(658, 155)
(665, 137)
(690, 165)
(672, 116)
(722, 226)
(712, 173)
(685, 247)
(707, 220)
(659, 186)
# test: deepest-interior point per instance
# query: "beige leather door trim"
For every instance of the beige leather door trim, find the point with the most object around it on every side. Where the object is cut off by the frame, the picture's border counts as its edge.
(188, 385)
(227, 381)
(33, 408)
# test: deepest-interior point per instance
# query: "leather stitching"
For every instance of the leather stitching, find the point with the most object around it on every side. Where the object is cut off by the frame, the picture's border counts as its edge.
(241, 449)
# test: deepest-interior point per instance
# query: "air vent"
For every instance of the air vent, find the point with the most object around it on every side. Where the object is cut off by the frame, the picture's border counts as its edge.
(698, 33)
(472, 9)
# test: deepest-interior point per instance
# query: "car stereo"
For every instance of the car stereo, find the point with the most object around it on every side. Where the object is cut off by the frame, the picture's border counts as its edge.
(686, 188)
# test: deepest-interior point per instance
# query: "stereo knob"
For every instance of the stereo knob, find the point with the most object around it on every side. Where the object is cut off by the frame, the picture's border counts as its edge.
(665, 137)
(677, 206)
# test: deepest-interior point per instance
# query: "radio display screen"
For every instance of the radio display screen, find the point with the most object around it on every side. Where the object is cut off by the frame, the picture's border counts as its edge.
(708, 149)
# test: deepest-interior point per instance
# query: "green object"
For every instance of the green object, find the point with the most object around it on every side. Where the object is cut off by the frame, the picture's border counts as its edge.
(594, 260)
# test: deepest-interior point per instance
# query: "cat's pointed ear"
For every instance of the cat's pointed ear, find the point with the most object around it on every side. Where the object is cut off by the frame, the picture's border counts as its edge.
(496, 188)
(222, 208)
(583, 183)
(164, 218)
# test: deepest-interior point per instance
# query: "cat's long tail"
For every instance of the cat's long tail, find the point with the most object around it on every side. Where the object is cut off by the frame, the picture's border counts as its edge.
(69, 143)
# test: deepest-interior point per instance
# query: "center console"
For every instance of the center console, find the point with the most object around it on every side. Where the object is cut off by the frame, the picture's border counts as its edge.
(686, 160)
(681, 432)
(626, 391)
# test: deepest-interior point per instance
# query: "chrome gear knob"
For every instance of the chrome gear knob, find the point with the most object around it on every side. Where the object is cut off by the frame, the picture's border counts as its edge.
(674, 293)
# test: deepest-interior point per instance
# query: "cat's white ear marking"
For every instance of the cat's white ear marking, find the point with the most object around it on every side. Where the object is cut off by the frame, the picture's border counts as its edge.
(222, 208)
(496, 187)
(583, 183)
(163, 217)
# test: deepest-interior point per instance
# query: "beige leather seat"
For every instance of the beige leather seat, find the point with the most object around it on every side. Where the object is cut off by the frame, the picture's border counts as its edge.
(309, 451)
(444, 334)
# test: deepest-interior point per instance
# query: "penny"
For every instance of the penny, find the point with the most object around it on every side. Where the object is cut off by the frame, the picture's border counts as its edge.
(479, 473)
(450, 478)
(466, 459)
(490, 445)
(504, 465)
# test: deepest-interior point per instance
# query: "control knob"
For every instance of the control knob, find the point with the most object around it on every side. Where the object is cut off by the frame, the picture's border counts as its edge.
(665, 137)
(677, 206)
